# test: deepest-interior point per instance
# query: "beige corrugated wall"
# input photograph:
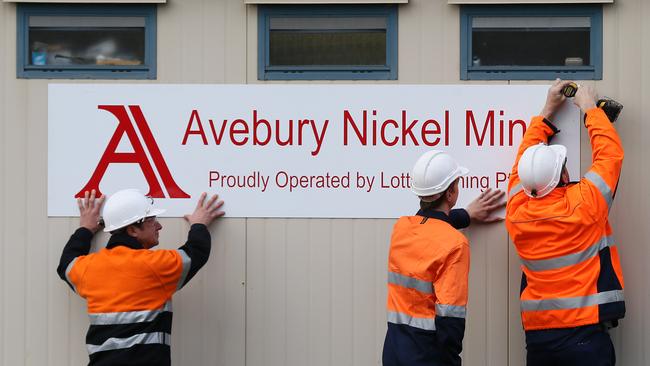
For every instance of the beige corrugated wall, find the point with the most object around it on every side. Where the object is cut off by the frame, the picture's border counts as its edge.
(296, 291)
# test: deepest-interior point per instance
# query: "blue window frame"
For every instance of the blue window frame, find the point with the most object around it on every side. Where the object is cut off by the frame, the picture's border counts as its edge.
(323, 42)
(86, 41)
(531, 42)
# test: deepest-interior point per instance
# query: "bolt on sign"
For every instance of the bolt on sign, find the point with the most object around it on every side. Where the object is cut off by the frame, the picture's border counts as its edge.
(285, 150)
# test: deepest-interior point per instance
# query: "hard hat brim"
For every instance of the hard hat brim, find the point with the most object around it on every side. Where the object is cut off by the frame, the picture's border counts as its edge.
(154, 212)
(560, 150)
(430, 191)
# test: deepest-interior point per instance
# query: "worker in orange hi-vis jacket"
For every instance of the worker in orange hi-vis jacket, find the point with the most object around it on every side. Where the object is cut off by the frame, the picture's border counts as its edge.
(128, 288)
(428, 266)
(572, 282)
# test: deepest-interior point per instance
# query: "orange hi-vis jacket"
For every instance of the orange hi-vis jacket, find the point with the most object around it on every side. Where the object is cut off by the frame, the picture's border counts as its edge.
(128, 290)
(571, 270)
(428, 266)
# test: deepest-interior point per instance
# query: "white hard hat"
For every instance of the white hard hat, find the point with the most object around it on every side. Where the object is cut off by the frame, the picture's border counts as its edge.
(540, 168)
(434, 172)
(125, 207)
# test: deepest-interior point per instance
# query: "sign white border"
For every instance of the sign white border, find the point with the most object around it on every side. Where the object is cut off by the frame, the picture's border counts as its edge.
(211, 138)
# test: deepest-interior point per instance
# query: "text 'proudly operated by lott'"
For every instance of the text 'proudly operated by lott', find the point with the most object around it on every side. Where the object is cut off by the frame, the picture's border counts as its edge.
(283, 180)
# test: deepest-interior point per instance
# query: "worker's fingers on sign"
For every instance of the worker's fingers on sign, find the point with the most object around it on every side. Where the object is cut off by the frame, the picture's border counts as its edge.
(212, 200)
(494, 196)
(213, 208)
(80, 204)
(494, 206)
(217, 206)
(493, 219)
(92, 198)
(217, 213)
(100, 201)
(496, 192)
(199, 204)
(484, 193)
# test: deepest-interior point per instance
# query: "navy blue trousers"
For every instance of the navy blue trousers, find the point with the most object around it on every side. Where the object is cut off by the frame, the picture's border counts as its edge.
(407, 346)
(595, 349)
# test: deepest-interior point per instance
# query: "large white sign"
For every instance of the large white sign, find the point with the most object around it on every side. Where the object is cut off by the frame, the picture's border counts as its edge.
(284, 150)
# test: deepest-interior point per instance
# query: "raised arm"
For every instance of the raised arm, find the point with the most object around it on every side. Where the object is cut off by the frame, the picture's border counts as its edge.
(606, 147)
(197, 247)
(79, 243)
(540, 129)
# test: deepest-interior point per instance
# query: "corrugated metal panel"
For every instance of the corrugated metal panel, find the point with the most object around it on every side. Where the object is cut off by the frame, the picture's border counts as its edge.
(36, 255)
(528, 1)
(487, 309)
(14, 212)
(627, 53)
(431, 40)
(87, 1)
(326, 1)
(5, 42)
(209, 313)
(316, 291)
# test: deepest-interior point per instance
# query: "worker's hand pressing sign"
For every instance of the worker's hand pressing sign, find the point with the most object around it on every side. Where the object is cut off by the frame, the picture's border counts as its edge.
(206, 212)
(89, 211)
(484, 206)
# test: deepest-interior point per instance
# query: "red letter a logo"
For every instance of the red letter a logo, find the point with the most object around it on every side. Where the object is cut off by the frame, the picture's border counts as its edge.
(138, 155)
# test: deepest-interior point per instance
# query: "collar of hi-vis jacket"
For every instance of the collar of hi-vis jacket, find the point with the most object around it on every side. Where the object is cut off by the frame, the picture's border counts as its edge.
(123, 239)
(458, 218)
(434, 214)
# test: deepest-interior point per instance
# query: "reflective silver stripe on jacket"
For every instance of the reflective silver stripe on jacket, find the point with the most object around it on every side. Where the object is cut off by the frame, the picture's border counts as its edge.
(121, 343)
(599, 182)
(187, 262)
(401, 318)
(127, 317)
(451, 310)
(410, 282)
(516, 189)
(573, 302)
(569, 259)
(67, 273)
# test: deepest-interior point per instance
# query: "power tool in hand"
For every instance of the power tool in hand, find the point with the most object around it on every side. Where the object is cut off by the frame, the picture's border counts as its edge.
(611, 107)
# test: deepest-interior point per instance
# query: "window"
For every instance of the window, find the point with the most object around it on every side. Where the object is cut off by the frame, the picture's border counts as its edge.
(86, 41)
(531, 42)
(314, 42)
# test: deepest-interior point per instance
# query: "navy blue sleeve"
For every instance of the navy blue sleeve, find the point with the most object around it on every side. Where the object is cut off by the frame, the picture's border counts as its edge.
(450, 332)
(459, 218)
(197, 247)
(77, 245)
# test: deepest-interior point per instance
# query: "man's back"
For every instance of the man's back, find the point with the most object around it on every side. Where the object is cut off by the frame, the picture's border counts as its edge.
(428, 266)
(571, 272)
(420, 246)
(128, 292)
(127, 287)
(140, 279)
